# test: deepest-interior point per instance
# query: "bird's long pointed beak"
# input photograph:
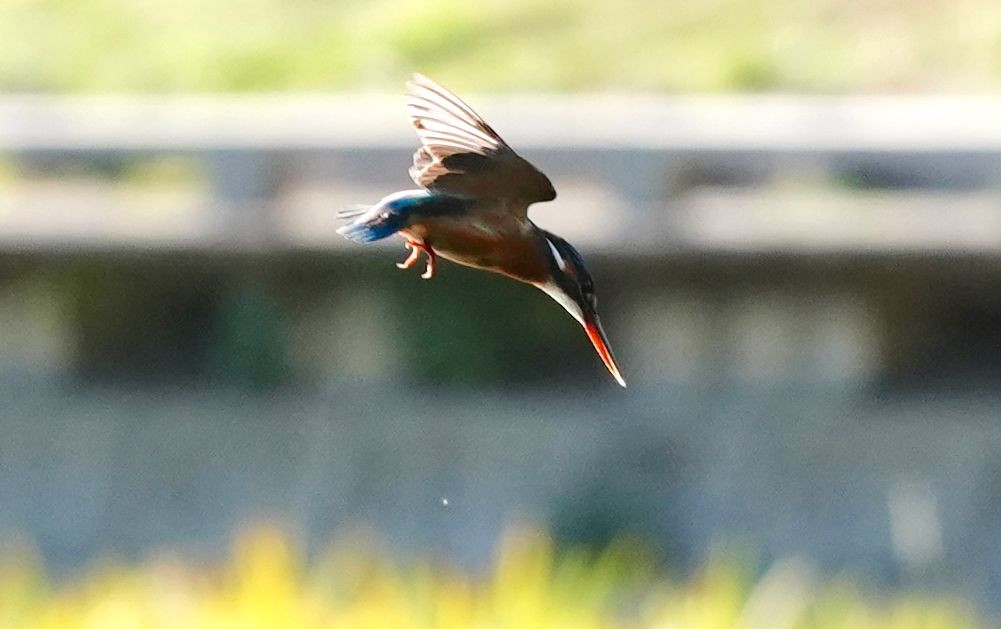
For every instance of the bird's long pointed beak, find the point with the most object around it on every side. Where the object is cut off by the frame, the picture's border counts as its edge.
(592, 325)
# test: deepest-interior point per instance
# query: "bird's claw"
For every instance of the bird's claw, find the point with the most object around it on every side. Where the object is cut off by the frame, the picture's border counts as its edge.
(415, 252)
(429, 270)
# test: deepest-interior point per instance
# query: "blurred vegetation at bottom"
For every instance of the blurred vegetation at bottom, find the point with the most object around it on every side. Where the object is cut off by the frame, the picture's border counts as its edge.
(266, 583)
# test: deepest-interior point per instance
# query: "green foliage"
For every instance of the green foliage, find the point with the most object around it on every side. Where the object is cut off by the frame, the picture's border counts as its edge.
(702, 45)
(247, 345)
(468, 328)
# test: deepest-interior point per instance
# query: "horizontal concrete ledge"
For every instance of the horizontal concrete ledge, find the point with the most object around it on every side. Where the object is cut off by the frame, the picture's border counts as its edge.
(552, 121)
(707, 222)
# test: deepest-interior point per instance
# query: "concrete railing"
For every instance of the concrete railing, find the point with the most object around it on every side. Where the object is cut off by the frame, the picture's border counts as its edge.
(633, 154)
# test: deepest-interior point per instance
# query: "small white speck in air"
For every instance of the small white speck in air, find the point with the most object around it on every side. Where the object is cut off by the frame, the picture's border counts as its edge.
(444, 502)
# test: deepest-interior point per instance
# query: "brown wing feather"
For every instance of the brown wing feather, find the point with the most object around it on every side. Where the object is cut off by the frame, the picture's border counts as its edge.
(462, 155)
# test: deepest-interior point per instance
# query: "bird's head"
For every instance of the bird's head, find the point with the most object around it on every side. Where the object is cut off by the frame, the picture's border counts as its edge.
(571, 286)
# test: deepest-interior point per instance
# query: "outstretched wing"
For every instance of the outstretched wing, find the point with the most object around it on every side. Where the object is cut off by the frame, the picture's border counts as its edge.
(462, 156)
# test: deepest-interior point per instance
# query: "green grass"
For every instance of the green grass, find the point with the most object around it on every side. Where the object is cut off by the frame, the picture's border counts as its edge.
(673, 45)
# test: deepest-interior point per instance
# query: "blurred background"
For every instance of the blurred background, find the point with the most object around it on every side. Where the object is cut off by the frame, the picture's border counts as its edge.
(792, 211)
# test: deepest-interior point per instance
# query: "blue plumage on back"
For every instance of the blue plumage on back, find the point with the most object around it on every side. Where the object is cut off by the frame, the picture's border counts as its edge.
(377, 228)
(392, 213)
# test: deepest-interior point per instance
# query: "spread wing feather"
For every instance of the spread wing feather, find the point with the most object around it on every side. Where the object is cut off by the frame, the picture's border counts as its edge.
(461, 155)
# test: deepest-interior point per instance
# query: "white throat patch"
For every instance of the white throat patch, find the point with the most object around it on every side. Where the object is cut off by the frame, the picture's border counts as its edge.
(562, 299)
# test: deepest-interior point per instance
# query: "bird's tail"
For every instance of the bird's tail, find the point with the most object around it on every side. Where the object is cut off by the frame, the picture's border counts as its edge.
(369, 226)
(352, 211)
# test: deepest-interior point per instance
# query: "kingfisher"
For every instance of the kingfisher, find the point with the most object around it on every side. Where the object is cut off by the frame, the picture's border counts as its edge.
(471, 208)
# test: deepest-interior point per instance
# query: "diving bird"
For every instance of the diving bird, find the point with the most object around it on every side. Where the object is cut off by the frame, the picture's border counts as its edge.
(472, 208)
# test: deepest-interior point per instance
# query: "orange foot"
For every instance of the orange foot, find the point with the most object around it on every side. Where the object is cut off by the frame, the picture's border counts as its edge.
(415, 253)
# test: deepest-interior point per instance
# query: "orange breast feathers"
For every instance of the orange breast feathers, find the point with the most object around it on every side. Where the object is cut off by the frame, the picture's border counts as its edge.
(509, 246)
